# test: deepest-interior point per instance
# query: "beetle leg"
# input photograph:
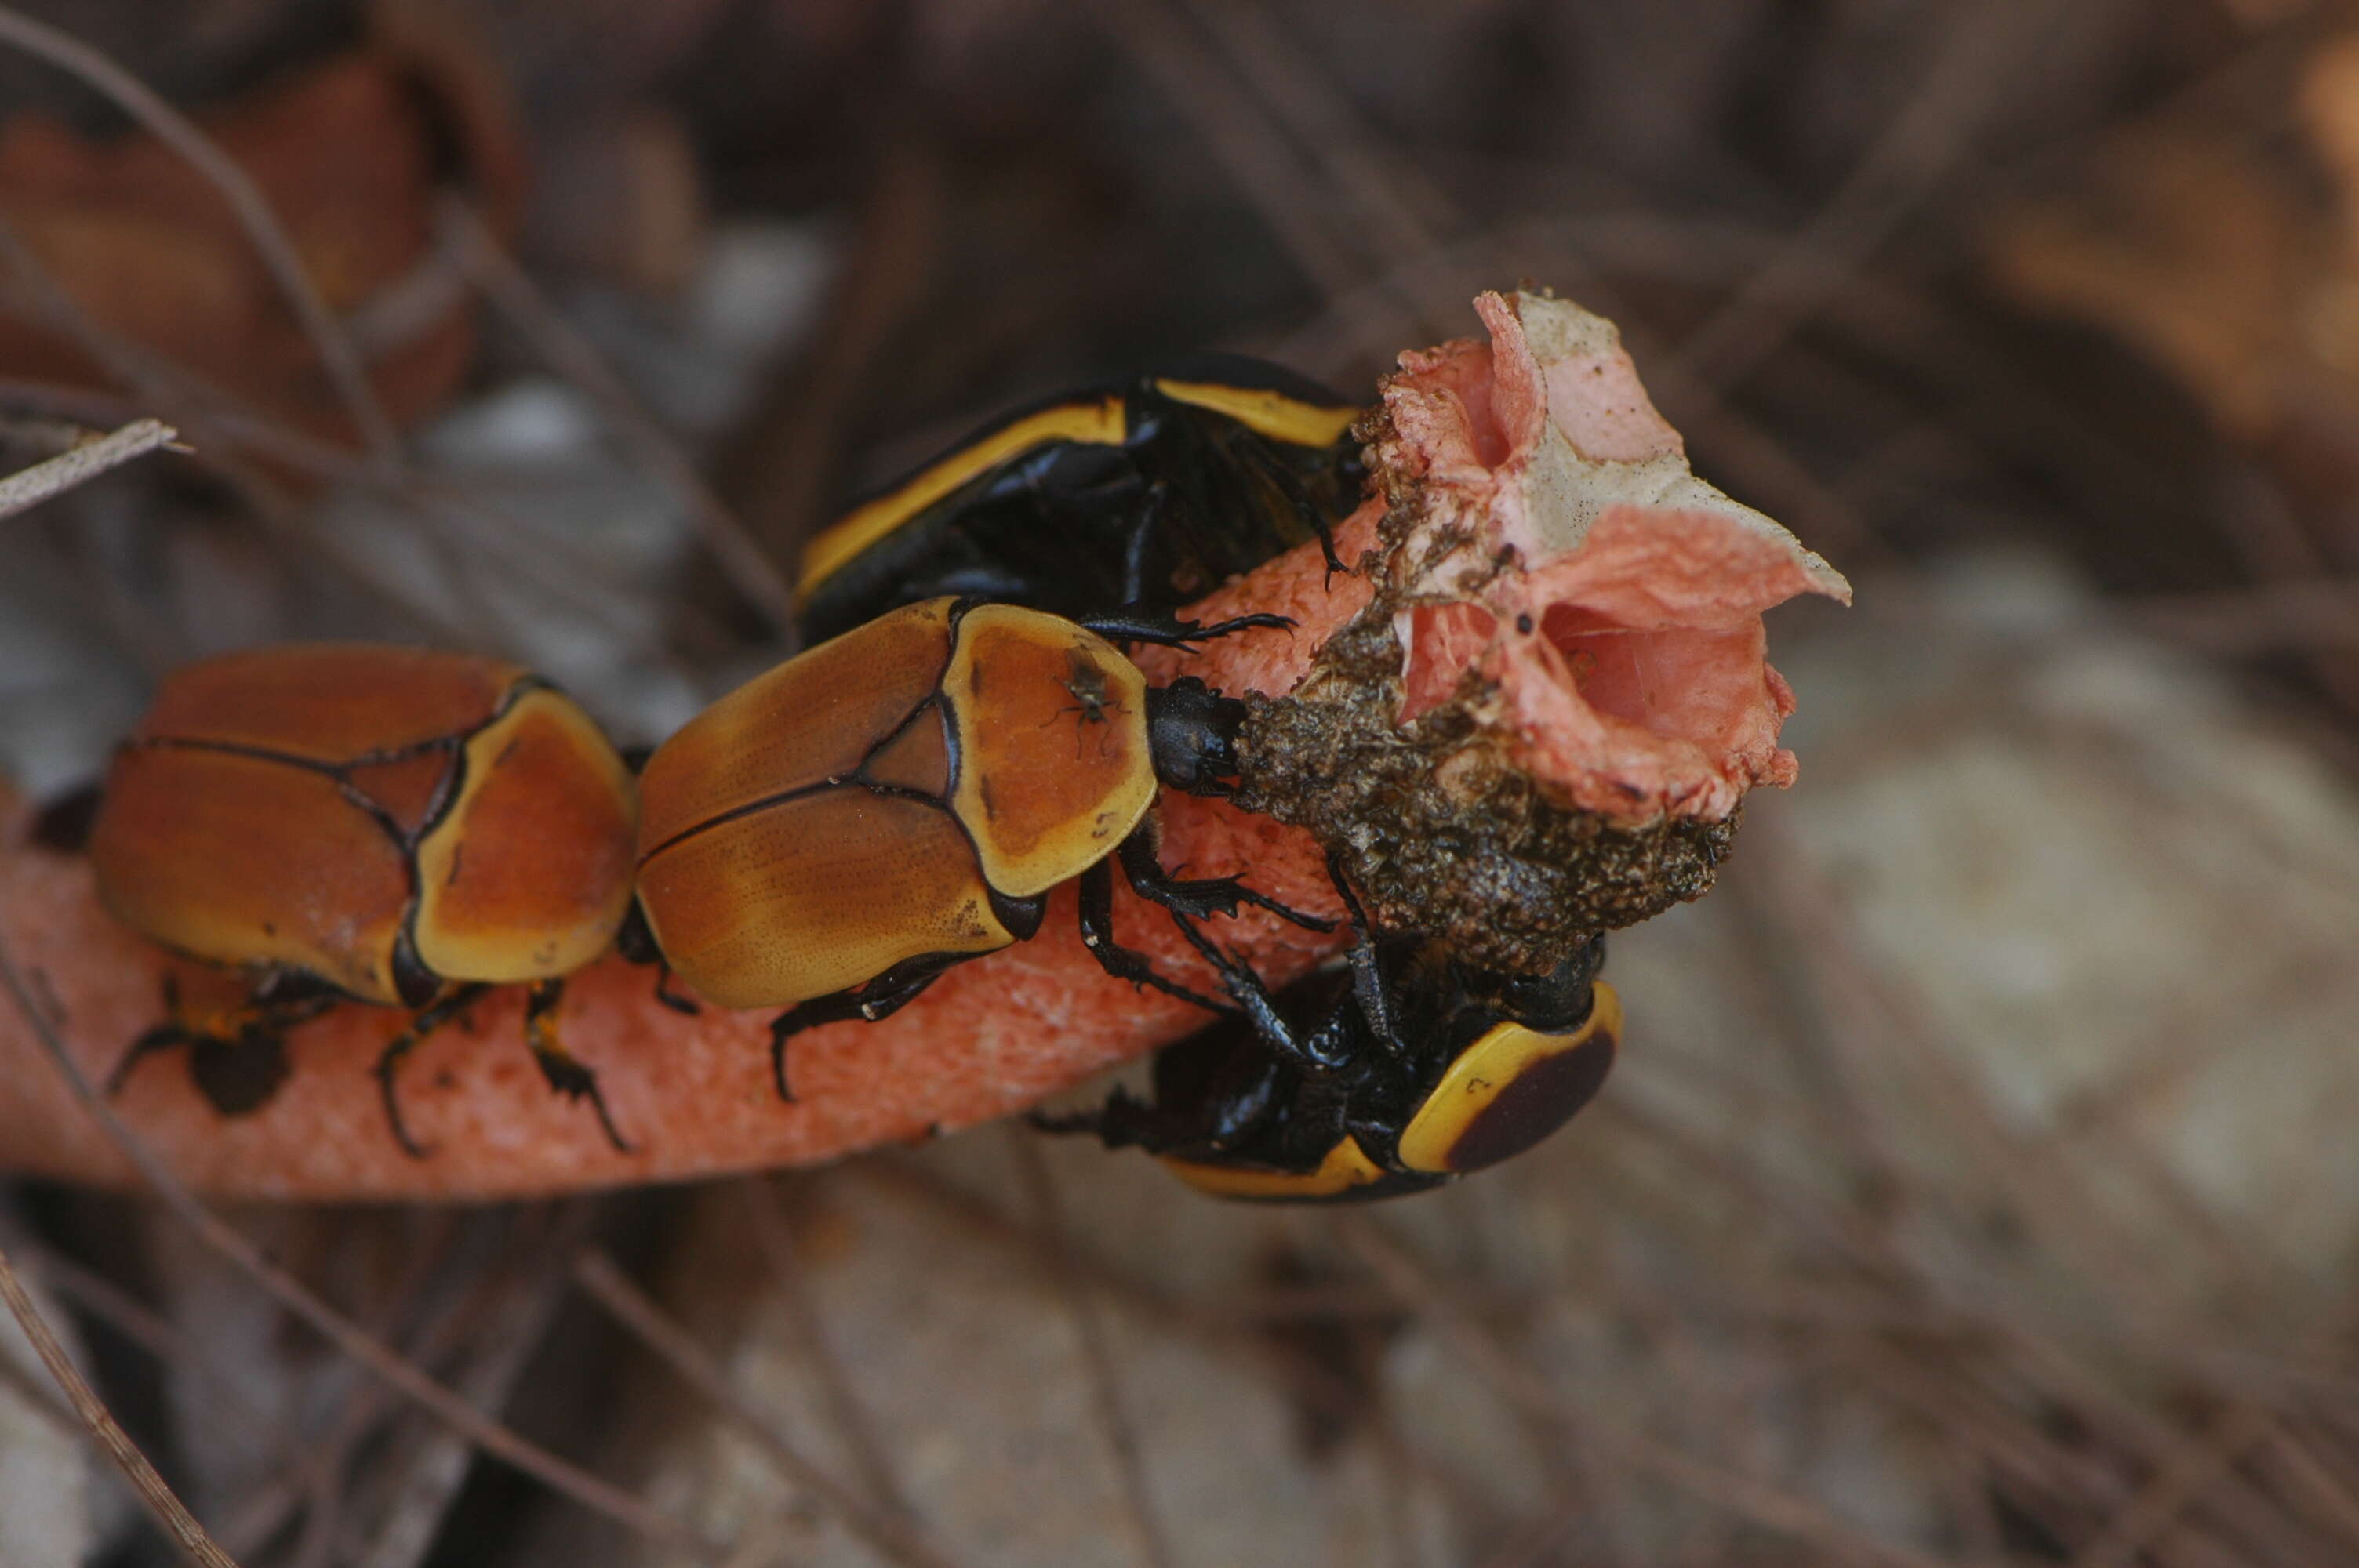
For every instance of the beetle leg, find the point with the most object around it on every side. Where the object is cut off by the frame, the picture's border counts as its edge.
(1290, 484)
(1124, 963)
(388, 1062)
(1124, 1122)
(1198, 896)
(163, 1037)
(636, 943)
(1152, 514)
(887, 994)
(1169, 631)
(686, 1006)
(1322, 1053)
(566, 1076)
(1367, 976)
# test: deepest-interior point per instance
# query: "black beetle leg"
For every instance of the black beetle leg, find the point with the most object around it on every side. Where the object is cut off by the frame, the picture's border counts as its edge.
(1153, 512)
(388, 1062)
(1297, 495)
(1170, 632)
(1124, 963)
(885, 995)
(1125, 1121)
(685, 1005)
(1319, 1052)
(635, 941)
(1367, 974)
(566, 1076)
(163, 1037)
(1199, 896)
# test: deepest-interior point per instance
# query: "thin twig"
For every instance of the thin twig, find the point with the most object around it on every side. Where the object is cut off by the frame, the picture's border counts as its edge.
(262, 226)
(607, 1285)
(559, 1474)
(30, 487)
(177, 1521)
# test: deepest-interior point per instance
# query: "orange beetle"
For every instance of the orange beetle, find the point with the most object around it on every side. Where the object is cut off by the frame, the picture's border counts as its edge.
(834, 834)
(381, 824)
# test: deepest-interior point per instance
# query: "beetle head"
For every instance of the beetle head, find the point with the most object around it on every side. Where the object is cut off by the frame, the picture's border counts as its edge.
(1191, 735)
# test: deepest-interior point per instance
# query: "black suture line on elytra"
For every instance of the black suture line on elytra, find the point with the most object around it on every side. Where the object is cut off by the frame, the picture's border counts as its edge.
(939, 709)
(787, 796)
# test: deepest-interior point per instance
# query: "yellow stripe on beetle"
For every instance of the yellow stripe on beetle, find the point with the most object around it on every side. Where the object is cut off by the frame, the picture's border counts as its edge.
(1346, 1166)
(1509, 1089)
(1099, 422)
(1266, 413)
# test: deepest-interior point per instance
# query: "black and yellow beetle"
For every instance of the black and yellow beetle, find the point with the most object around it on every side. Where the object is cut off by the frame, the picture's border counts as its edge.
(834, 834)
(354, 822)
(1479, 1066)
(1145, 493)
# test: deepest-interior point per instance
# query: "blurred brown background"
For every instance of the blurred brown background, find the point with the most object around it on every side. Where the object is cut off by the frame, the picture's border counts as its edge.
(1976, 1187)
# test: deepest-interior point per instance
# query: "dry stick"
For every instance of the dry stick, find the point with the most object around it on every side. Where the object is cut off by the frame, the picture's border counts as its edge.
(168, 126)
(1764, 1503)
(178, 1522)
(607, 1285)
(42, 1400)
(1097, 1353)
(30, 487)
(774, 1236)
(559, 1474)
(563, 345)
(113, 1306)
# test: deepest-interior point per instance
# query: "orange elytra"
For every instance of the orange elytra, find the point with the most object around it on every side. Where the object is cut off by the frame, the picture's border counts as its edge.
(834, 834)
(350, 821)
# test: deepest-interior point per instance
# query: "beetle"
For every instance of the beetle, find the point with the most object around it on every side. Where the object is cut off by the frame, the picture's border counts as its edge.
(359, 822)
(833, 835)
(1479, 1066)
(1145, 493)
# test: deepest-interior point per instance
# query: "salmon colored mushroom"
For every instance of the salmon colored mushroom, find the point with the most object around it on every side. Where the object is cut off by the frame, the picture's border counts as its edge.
(1552, 659)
